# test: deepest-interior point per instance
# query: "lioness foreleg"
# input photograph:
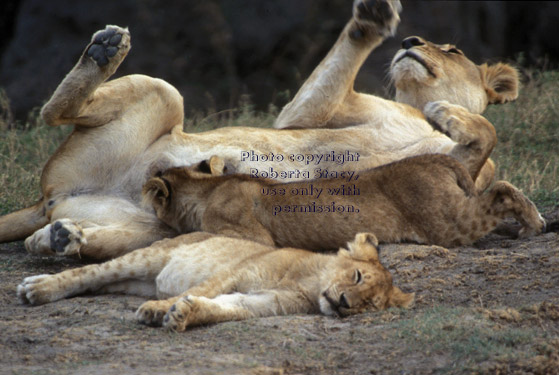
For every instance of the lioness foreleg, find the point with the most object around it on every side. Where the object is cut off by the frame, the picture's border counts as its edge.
(327, 99)
(474, 135)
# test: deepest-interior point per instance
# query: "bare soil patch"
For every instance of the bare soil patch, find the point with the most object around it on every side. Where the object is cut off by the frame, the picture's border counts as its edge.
(488, 308)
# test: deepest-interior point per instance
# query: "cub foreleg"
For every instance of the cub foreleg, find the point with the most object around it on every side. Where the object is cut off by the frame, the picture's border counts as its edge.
(192, 310)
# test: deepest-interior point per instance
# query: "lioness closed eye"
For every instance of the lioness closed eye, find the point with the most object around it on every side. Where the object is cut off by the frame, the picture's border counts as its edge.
(212, 285)
(428, 199)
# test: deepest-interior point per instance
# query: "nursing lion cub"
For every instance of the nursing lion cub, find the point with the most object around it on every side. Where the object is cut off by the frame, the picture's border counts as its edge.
(428, 199)
(126, 127)
(210, 285)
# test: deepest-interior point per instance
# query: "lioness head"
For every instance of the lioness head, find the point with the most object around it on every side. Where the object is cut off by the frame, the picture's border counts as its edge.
(423, 72)
(176, 201)
(357, 281)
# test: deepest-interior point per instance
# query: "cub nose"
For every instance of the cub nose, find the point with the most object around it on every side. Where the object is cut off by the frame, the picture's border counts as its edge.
(343, 301)
(412, 41)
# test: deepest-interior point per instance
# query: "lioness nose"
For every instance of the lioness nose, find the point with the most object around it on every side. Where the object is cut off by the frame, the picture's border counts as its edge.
(411, 41)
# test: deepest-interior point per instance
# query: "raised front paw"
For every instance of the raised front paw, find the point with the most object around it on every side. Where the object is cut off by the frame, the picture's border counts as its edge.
(176, 317)
(449, 119)
(66, 237)
(37, 290)
(109, 46)
(151, 313)
(379, 16)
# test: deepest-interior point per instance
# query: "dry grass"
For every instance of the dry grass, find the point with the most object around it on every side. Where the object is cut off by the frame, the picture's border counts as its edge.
(527, 154)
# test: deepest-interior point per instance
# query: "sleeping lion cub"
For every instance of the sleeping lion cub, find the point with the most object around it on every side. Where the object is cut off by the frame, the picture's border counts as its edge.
(257, 281)
(429, 199)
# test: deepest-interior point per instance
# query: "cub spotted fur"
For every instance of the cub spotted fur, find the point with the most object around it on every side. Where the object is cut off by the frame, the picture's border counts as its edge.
(428, 199)
(209, 285)
(126, 127)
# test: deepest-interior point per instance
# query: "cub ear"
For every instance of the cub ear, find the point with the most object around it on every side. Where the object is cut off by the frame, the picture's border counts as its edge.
(156, 192)
(217, 166)
(214, 166)
(397, 298)
(364, 247)
(501, 82)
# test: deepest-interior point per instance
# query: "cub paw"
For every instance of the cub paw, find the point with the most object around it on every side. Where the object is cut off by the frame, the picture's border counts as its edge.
(37, 290)
(377, 16)
(151, 313)
(66, 237)
(533, 227)
(110, 45)
(175, 319)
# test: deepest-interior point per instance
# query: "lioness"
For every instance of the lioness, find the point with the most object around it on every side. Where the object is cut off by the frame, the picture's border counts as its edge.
(128, 127)
(258, 281)
(428, 199)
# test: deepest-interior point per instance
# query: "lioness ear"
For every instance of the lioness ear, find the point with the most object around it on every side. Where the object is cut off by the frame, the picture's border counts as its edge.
(156, 192)
(501, 82)
(364, 247)
(400, 299)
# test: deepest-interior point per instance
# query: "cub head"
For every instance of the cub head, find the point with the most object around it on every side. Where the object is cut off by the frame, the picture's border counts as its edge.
(357, 281)
(177, 194)
(423, 72)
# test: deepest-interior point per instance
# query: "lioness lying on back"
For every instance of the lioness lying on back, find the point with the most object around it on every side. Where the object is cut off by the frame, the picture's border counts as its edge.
(427, 199)
(216, 286)
(91, 185)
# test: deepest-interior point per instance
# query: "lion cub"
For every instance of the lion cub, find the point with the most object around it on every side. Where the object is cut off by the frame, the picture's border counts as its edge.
(428, 199)
(257, 281)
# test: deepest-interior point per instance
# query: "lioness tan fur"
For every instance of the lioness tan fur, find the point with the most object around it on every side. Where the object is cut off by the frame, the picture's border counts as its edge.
(210, 286)
(428, 199)
(127, 127)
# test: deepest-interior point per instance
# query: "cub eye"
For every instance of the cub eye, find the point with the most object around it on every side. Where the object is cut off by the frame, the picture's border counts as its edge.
(358, 277)
(454, 50)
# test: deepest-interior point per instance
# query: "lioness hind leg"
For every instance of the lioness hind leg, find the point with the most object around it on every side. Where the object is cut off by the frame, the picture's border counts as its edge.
(20, 224)
(99, 61)
(63, 237)
(474, 135)
(327, 96)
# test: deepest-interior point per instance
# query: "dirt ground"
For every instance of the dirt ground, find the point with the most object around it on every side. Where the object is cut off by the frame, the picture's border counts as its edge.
(488, 308)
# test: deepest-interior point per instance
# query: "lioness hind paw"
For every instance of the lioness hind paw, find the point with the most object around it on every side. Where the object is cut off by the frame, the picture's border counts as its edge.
(107, 43)
(66, 237)
(378, 15)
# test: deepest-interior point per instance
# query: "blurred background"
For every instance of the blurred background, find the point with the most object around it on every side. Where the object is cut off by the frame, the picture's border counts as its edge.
(219, 52)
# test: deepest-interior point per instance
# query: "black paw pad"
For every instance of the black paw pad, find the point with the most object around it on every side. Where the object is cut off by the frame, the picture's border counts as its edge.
(59, 237)
(374, 10)
(105, 45)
